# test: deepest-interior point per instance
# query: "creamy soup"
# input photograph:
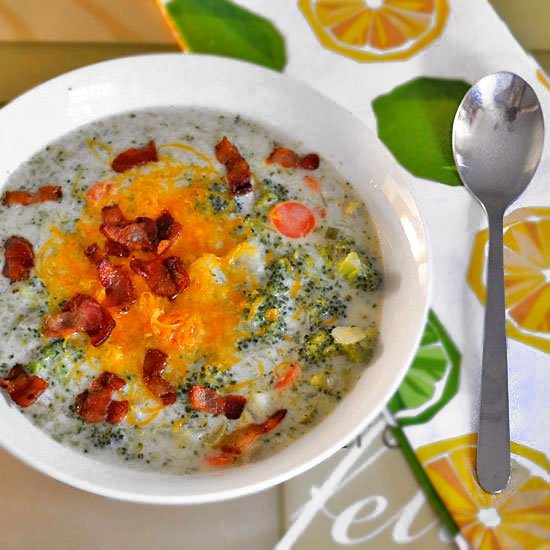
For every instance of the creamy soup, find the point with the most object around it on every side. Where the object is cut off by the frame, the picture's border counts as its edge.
(228, 290)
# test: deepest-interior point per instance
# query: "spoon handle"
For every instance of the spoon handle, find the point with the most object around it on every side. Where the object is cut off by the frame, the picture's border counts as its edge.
(493, 447)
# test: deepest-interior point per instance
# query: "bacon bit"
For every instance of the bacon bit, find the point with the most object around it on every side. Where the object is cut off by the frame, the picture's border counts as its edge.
(289, 377)
(287, 158)
(107, 380)
(43, 194)
(312, 183)
(81, 314)
(119, 289)
(116, 280)
(92, 406)
(168, 231)
(310, 162)
(163, 246)
(283, 156)
(236, 443)
(135, 156)
(94, 254)
(234, 405)
(210, 401)
(166, 277)
(99, 190)
(112, 215)
(138, 235)
(19, 259)
(219, 460)
(240, 440)
(292, 219)
(117, 411)
(116, 249)
(96, 404)
(237, 169)
(153, 365)
(22, 387)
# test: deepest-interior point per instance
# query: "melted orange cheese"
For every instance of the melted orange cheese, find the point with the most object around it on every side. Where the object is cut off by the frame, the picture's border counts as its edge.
(203, 321)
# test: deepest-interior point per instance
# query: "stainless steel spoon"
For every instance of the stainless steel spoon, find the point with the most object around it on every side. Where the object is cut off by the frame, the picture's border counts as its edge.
(498, 135)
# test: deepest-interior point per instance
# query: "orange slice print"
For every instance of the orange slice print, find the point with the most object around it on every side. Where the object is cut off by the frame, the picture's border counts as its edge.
(517, 518)
(376, 30)
(543, 79)
(526, 274)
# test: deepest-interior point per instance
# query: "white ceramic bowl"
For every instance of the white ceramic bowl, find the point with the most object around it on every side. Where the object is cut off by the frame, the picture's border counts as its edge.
(45, 113)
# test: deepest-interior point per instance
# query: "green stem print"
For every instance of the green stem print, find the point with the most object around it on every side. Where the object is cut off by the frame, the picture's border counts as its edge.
(424, 481)
(220, 27)
(432, 380)
(415, 121)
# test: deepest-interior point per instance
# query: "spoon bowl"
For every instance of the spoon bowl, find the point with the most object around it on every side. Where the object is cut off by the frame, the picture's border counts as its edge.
(498, 137)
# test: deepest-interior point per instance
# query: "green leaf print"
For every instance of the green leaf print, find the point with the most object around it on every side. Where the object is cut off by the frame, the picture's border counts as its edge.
(220, 27)
(432, 380)
(415, 121)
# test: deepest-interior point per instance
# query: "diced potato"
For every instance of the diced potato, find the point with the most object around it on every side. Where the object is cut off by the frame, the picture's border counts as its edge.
(258, 404)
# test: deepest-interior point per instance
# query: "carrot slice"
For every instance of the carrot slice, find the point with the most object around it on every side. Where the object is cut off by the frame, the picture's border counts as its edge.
(292, 219)
(289, 377)
(222, 459)
(312, 183)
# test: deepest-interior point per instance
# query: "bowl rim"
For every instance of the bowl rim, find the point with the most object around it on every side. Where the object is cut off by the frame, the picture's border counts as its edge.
(42, 93)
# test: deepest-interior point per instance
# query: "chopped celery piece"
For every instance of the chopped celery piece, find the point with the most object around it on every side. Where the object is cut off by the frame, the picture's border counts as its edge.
(350, 267)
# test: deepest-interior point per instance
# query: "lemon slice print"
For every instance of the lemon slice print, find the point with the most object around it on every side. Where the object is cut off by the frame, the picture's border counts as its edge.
(526, 275)
(518, 518)
(376, 30)
(432, 380)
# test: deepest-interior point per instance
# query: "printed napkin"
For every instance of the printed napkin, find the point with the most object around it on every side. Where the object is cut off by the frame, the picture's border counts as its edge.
(402, 66)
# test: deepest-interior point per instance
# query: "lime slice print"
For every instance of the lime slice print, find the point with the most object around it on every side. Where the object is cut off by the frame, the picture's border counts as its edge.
(415, 121)
(517, 518)
(432, 380)
(221, 27)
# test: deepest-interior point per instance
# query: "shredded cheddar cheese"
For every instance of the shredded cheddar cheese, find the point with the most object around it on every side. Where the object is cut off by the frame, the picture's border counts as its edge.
(296, 286)
(102, 151)
(176, 427)
(203, 321)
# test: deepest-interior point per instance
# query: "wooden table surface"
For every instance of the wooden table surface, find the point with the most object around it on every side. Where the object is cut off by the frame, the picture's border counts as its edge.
(40, 39)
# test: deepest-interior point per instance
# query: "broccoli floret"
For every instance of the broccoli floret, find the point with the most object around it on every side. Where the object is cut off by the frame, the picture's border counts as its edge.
(362, 351)
(354, 266)
(369, 278)
(317, 347)
(268, 305)
(272, 194)
(324, 308)
(220, 199)
(218, 204)
(102, 436)
(56, 359)
(52, 353)
(274, 330)
(204, 375)
(279, 270)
